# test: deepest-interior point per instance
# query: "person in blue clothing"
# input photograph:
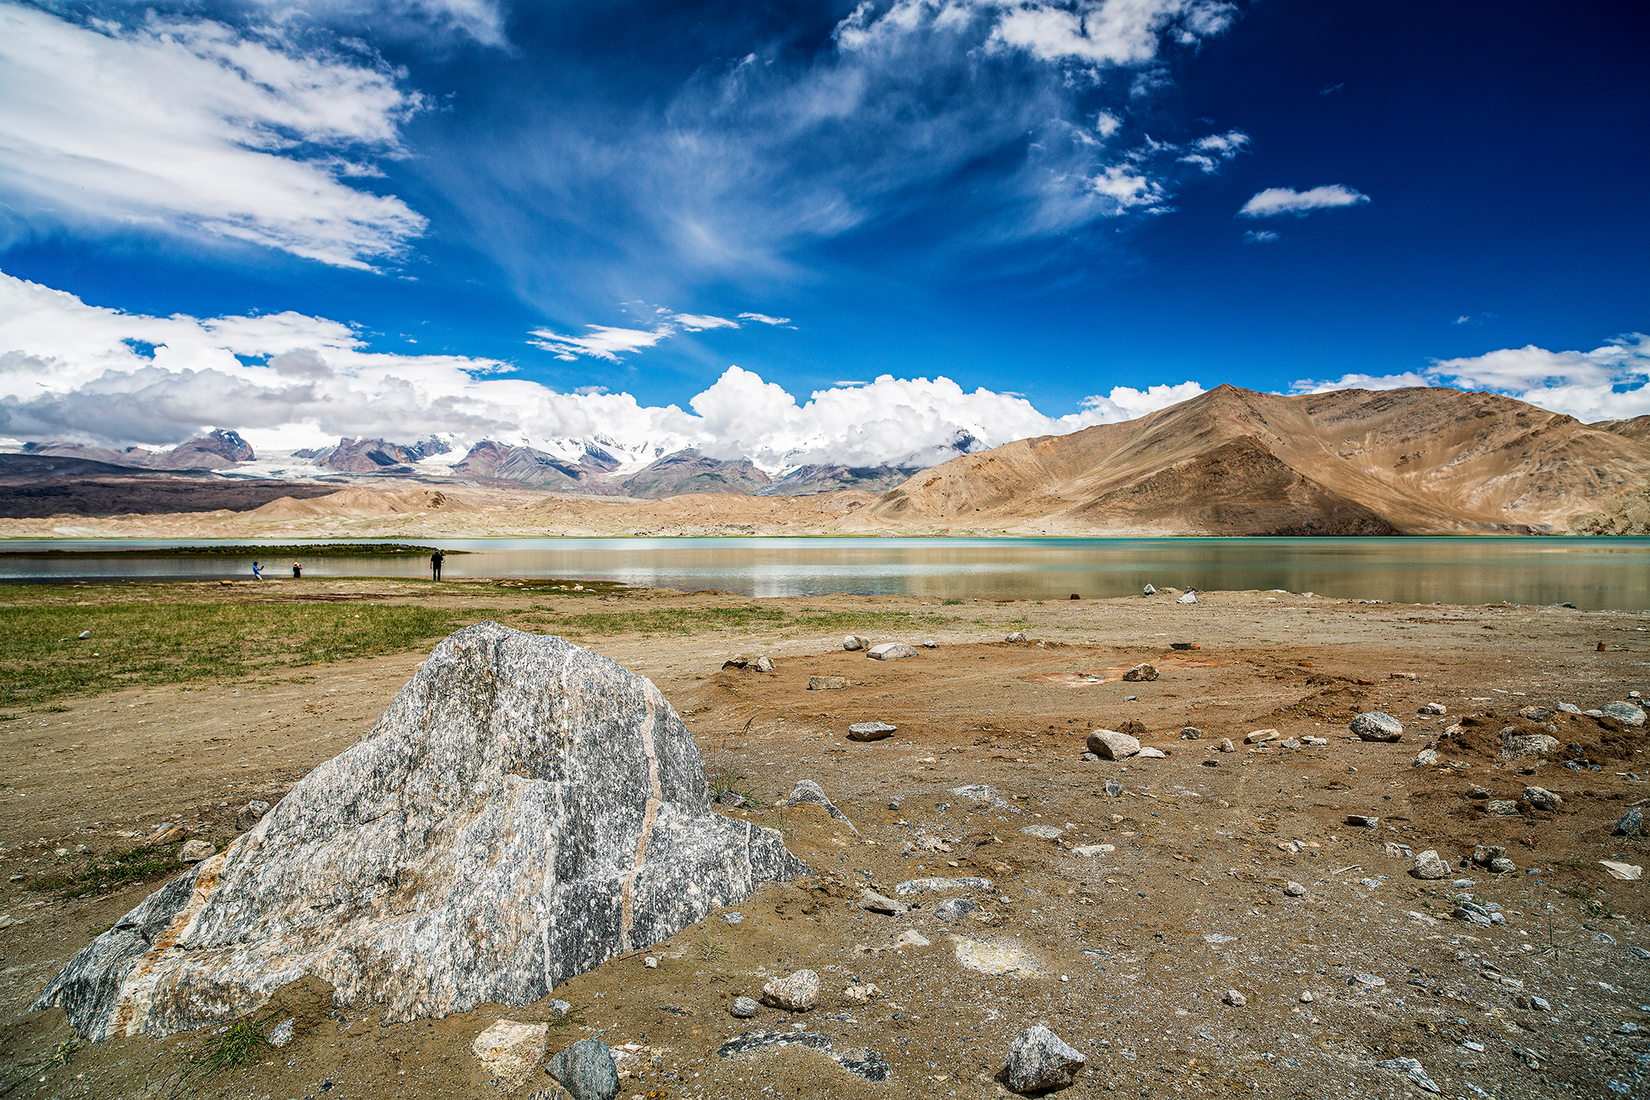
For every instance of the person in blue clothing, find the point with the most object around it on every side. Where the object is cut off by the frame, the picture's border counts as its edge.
(257, 572)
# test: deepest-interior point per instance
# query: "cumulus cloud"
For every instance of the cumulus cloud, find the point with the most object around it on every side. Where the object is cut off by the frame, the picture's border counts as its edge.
(1286, 200)
(1107, 32)
(71, 370)
(1607, 383)
(1207, 154)
(194, 127)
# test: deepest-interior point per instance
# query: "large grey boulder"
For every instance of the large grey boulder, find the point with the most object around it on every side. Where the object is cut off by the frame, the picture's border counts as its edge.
(524, 810)
(1376, 725)
(1111, 745)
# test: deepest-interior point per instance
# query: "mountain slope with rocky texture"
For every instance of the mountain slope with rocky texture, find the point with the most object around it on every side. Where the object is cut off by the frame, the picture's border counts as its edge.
(1236, 462)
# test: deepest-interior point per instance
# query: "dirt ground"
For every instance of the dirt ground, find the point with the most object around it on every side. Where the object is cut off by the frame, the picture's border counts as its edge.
(1127, 952)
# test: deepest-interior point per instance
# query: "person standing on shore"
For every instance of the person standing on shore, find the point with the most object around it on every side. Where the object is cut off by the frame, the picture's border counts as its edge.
(435, 565)
(257, 572)
(297, 571)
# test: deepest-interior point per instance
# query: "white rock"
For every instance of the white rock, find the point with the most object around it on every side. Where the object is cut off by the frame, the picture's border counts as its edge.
(891, 651)
(1190, 596)
(1111, 745)
(1149, 753)
(798, 992)
(510, 1050)
(1377, 725)
(1429, 864)
(853, 642)
(1427, 758)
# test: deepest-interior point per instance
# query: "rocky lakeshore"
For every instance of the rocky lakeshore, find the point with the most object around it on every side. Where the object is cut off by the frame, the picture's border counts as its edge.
(1266, 843)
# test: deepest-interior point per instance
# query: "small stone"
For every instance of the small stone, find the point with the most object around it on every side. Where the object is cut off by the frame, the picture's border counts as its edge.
(798, 992)
(1412, 1069)
(1141, 673)
(1087, 850)
(890, 651)
(1515, 745)
(912, 938)
(952, 910)
(1377, 725)
(1294, 890)
(1501, 807)
(1191, 733)
(1260, 737)
(1149, 590)
(1190, 596)
(1090, 758)
(1501, 865)
(1432, 708)
(510, 1050)
(1429, 864)
(1368, 980)
(1234, 998)
(827, 683)
(853, 642)
(1363, 821)
(1040, 1061)
(874, 902)
(738, 660)
(1630, 823)
(763, 664)
(1114, 789)
(743, 1008)
(1306, 997)
(84, 634)
(1016, 638)
(1534, 713)
(940, 885)
(166, 833)
(194, 851)
(1043, 832)
(1543, 799)
(250, 814)
(1569, 708)
(929, 643)
(651, 962)
(1149, 753)
(281, 1034)
(1111, 745)
(1426, 758)
(862, 993)
(586, 1070)
(870, 731)
(1315, 742)
(1226, 745)
(1623, 712)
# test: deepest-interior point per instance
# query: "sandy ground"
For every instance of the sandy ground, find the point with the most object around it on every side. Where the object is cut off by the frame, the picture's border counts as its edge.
(1127, 953)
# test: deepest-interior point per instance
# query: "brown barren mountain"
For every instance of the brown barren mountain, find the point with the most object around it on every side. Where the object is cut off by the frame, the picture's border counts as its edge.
(1229, 462)
(1235, 462)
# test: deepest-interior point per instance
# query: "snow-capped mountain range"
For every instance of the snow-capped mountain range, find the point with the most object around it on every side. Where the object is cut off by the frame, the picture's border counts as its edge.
(595, 465)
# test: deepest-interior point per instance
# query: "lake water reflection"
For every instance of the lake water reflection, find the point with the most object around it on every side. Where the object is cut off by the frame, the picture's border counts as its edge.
(1590, 573)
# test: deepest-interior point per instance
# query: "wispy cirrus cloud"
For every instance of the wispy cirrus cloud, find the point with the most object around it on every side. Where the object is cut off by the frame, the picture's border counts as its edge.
(609, 342)
(965, 125)
(196, 128)
(1286, 200)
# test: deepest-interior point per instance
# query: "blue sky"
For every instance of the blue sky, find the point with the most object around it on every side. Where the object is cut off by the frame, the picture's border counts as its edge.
(342, 217)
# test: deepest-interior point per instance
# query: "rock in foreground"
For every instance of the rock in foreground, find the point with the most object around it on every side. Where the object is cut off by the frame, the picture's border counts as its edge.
(524, 810)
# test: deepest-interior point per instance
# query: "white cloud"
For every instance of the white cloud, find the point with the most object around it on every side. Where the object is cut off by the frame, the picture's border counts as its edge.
(1126, 189)
(1209, 153)
(1610, 382)
(1108, 32)
(1260, 236)
(69, 370)
(478, 19)
(609, 342)
(195, 128)
(1285, 200)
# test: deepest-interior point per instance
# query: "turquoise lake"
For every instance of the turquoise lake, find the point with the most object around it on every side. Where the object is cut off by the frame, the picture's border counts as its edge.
(1590, 573)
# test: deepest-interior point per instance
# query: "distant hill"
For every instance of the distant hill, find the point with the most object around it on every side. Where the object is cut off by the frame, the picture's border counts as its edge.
(217, 450)
(1236, 462)
(373, 456)
(689, 471)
